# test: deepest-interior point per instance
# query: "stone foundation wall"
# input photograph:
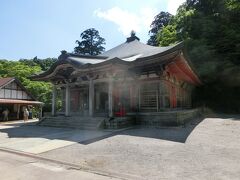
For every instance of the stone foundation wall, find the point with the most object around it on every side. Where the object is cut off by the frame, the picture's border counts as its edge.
(174, 118)
(119, 122)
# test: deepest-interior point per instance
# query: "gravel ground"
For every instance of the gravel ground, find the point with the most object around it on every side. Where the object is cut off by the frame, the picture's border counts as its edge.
(204, 149)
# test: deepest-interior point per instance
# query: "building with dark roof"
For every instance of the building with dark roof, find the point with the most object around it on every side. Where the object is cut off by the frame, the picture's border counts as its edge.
(15, 97)
(130, 78)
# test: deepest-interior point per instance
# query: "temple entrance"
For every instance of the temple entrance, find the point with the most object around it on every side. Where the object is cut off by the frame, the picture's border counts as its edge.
(122, 99)
(79, 101)
(101, 98)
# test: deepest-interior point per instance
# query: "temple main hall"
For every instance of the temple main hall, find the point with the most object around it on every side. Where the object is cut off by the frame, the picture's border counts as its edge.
(132, 78)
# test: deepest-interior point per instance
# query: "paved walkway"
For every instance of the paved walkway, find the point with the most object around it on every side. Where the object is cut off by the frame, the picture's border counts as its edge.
(35, 139)
(19, 122)
(15, 167)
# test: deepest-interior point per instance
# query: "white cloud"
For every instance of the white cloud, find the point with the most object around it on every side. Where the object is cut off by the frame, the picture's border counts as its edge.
(148, 15)
(172, 5)
(128, 21)
(140, 20)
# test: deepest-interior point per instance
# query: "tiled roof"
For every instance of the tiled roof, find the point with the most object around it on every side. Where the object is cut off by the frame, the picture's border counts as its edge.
(130, 51)
(18, 101)
(4, 81)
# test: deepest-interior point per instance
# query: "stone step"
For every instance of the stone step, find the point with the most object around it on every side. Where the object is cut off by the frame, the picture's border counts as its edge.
(72, 122)
(70, 126)
(67, 125)
(82, 122)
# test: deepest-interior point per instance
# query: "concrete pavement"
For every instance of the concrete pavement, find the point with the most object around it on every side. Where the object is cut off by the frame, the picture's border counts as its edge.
(36, 139)
(15, 167)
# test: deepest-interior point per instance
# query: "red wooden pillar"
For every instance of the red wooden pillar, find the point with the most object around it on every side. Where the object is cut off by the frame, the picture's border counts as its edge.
(116, 94)
(132, 99)
(173, 97)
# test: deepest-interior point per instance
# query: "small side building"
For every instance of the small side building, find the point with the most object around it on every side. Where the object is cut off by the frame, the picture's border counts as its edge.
(15, 97)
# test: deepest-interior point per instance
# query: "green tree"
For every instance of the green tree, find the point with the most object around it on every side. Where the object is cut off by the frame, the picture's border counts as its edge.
(45, 64)
(91, 43)
(167, 36)
(160, 21)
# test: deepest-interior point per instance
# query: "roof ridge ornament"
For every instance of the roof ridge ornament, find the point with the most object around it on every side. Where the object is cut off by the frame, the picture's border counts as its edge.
(132, 37)
(64, 55)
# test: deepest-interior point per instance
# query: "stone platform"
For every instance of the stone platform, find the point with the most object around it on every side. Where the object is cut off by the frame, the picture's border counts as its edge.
(119, 122)
(170, 118)
(153, 119)
(76, 122)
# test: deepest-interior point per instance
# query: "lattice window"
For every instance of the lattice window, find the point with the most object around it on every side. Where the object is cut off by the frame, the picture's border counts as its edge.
(164, 99)
(149, 97)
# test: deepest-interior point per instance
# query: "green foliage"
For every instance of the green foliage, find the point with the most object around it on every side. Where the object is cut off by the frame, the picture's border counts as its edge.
(45, 64)
(91, 43)
(167, 36)
(218, 25)
(160, 21)
(233, 5)
(17, 69)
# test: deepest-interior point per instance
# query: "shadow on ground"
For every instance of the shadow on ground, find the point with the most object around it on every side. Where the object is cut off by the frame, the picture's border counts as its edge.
(176, 134)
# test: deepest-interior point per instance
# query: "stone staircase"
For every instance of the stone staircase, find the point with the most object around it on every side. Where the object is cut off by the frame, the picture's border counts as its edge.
(90, 123)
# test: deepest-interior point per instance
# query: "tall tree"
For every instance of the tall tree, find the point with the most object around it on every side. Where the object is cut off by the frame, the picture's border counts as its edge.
(91, 43)
(160, 20)
(210, 29)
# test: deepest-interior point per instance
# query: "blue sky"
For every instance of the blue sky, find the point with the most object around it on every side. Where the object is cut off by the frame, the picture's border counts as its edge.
(43, 28)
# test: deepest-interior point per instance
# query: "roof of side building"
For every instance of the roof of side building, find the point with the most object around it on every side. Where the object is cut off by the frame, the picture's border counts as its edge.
(5, 81)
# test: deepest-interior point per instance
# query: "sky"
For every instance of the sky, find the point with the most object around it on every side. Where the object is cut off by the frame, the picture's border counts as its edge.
(43, 28)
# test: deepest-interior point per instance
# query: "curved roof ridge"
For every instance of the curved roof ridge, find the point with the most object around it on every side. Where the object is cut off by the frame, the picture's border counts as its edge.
(134, 48)
(87, 56)
(128, 52)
